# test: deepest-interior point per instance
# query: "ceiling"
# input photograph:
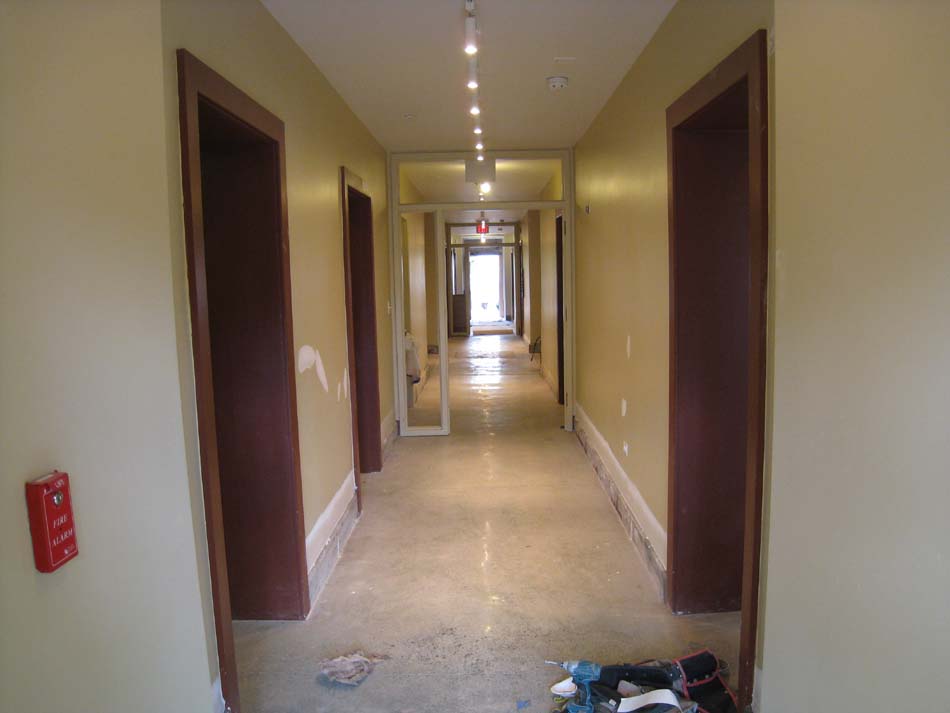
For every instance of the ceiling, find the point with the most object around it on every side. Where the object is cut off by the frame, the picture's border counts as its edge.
(391, 59)
(515, 180)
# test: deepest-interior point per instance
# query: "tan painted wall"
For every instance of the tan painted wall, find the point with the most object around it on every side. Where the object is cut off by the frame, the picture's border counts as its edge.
(859, 546)
(622, 268)
(531, 248)
(89, 371)
(408, 193)
(551, 192)
(241, 41)
(549, 343)
(418, 324)
(434, 253)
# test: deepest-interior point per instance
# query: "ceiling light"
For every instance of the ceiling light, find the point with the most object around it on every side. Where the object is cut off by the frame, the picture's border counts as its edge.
(474, 111)
(471, 47)
(479, 158)
(479, 146)
(471, 44)
(486, 187)
(477, 130)
(481, 198)
(472, 73)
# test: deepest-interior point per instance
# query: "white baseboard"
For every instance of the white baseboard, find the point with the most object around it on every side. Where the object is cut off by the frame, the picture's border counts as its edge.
(217, 697)
(653, 532)
(329, 519)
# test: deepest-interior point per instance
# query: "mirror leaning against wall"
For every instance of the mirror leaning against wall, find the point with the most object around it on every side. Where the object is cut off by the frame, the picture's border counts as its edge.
(421, 250)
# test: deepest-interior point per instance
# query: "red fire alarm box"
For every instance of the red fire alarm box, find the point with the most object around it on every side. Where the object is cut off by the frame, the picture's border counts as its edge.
(51, 521)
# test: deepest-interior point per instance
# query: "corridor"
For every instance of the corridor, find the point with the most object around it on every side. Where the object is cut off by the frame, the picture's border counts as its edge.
(478, 556)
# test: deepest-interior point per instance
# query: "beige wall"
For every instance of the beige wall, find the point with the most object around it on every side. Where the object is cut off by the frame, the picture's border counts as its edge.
(859, 545)
(549, 343)
(434, 253)
(531, 257)
(622, 270)
(416, 282)
(408, 193)
(89, 371)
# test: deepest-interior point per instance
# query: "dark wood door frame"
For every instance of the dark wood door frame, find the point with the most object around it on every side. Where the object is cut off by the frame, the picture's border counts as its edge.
(360, 290)
(747, 64)
(559, 262)
(198, 83)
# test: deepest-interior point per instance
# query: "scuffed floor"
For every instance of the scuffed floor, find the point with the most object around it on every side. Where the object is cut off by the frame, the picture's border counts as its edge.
(477, 557)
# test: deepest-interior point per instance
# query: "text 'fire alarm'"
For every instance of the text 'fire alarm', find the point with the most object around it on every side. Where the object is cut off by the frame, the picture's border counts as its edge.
(52, 528)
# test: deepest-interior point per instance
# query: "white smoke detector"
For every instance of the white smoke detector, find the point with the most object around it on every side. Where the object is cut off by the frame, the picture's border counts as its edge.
(556, 84)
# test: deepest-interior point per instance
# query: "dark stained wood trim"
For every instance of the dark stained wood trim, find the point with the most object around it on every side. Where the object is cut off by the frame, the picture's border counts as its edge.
(195, 80)
(345, 178)
(747, 62)
(559, 289)
(364, 381)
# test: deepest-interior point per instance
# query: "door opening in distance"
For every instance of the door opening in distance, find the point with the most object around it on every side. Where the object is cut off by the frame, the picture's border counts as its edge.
(486, 276)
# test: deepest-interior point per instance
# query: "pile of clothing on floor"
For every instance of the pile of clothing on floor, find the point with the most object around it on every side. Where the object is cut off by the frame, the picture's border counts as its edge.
(690, 684)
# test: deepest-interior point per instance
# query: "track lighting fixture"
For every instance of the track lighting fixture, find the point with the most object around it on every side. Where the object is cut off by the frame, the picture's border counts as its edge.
(472, 73)
(471, 48)
(471, 44)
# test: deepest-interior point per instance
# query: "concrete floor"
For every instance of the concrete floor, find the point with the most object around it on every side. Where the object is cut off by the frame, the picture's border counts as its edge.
(477, 557)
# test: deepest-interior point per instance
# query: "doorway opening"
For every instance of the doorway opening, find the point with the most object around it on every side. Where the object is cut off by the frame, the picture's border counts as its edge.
(360, 291)
(486, 281)
(233, 175)
(717, 143)
(482, 286)
(525, 185)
